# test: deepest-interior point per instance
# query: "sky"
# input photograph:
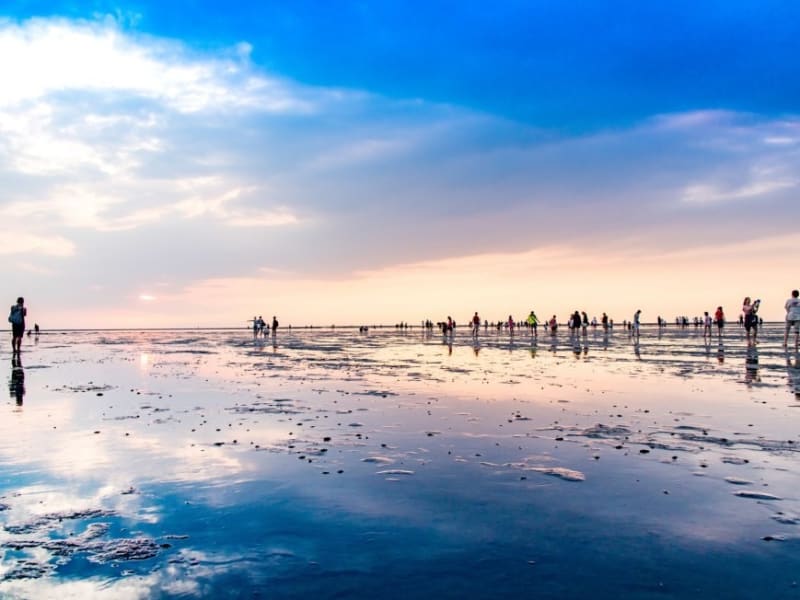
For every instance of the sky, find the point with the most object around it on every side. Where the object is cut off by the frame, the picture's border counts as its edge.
(194, 163)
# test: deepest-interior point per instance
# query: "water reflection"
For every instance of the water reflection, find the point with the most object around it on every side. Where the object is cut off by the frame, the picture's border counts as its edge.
(793, 372)
(367, 435)
(16, 383)
(751, 366)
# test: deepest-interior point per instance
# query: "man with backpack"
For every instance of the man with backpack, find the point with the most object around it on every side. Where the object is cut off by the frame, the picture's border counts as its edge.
(17, 319)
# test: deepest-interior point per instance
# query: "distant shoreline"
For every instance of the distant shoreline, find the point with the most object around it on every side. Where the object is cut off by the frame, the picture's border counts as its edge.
(283, 329)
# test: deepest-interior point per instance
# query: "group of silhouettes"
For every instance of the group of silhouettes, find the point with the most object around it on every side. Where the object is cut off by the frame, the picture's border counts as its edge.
(260, 327)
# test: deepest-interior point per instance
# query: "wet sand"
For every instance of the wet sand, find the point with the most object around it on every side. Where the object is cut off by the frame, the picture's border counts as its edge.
(335, 464)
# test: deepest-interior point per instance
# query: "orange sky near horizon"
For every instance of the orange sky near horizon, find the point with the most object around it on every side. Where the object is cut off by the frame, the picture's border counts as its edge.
(554, 280)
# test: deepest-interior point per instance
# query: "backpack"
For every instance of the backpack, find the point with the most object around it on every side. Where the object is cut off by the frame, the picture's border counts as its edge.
(15, 317)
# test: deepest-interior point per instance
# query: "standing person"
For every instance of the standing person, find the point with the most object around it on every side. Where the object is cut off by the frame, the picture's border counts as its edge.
(719, 317)
(476, 324)
(604, 321)
(750, 319)
(511, 325)
(585, 322)
(706, 324)
(16, 317)
(636, 322)
(575, 322)
(553, 325)
(792, 307)
(274, 326)
(533, 323)
(255, 326)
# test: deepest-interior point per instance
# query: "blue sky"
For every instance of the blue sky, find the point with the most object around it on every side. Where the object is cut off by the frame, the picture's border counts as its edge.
(561, 64)
(163, 146)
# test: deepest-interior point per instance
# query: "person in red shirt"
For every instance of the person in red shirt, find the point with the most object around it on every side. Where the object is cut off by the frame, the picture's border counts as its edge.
(719, 317)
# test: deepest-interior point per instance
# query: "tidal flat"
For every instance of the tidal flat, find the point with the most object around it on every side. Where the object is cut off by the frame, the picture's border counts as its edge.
(329, 463)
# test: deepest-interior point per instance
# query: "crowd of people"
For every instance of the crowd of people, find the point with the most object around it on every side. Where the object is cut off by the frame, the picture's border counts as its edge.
(579, 323)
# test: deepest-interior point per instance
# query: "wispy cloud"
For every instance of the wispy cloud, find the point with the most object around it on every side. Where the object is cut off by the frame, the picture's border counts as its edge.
(15, 242)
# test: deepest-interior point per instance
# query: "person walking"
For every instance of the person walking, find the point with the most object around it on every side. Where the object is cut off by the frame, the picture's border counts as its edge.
(719, 318)
(792, 307)
(16, 317)
(533, 323)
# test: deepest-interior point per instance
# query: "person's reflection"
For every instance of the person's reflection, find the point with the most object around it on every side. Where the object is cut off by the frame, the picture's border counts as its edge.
(636, 349)
(605, 341)
(751, 366)
(476, 347)
(16, 385)
(793, 371)
(721, 352)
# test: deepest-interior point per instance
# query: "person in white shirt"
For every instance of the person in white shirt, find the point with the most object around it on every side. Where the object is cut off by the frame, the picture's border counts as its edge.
(792, 318)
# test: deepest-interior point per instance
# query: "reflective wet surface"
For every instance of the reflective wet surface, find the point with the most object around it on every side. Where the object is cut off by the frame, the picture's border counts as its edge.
(333, 463)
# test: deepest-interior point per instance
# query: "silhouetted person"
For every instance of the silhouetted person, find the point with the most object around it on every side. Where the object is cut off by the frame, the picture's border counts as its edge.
(16, 317)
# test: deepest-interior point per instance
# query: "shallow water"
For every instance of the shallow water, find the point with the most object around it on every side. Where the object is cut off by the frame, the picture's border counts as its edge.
(175, 464)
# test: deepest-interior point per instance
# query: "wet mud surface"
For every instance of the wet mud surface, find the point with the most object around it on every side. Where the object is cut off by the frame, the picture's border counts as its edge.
(334, 463)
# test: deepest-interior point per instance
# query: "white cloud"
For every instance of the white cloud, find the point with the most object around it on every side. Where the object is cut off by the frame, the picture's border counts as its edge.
(89, 113)
(57, 56)
(754, 187)
(15, 242)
